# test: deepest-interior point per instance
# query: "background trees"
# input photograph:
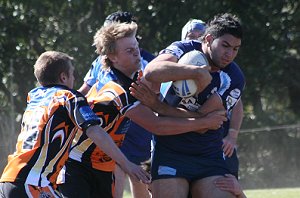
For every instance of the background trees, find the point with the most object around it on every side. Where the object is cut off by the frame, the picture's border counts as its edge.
(269, 57)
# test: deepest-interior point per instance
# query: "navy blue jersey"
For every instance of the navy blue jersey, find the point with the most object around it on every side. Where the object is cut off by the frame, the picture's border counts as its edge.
(228, 83)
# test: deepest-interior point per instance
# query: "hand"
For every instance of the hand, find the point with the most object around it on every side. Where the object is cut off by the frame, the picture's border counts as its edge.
(216, 119)
(229, 143)
(230, 183)
(136, 172)
(146, 96)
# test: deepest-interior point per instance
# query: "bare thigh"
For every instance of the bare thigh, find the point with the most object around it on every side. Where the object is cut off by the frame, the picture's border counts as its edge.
(120, 179)
(170, 188)
(205, 187)
(139, 189)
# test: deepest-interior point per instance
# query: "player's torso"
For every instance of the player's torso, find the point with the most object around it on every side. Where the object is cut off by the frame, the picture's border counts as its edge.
(109, 99)
(45, 138)
(222, 82)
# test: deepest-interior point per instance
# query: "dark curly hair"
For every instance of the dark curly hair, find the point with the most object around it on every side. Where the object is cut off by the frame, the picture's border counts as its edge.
(224, 24)
(121, 17)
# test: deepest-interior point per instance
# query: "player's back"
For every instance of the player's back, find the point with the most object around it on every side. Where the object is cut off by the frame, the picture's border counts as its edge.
(45, 138)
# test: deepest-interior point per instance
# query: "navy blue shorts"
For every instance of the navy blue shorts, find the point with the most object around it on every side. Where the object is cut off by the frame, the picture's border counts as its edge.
(170, 164)
(233, 164)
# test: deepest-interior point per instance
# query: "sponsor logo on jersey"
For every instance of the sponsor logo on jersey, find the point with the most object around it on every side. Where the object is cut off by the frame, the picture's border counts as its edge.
(235, 93)
(190, 103)
(176, 51)
(230, 102)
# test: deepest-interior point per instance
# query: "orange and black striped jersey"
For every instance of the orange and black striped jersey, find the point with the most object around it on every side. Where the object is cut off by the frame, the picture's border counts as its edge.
(110, 100)
(47, 131)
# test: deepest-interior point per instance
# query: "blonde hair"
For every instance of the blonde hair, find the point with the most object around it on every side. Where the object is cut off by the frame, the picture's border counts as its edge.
(106, 37)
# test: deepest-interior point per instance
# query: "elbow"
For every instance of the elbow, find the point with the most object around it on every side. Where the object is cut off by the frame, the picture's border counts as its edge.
(149, 75)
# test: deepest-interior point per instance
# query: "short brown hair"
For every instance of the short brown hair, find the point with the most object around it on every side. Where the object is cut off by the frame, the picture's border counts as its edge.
(106, 37)
(50, 65)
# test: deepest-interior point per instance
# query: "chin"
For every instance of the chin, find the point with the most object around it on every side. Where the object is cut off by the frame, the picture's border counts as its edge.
(139, 65)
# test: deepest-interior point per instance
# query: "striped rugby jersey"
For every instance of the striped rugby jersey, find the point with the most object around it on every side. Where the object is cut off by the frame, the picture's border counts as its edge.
(47, 131)
(110, 100)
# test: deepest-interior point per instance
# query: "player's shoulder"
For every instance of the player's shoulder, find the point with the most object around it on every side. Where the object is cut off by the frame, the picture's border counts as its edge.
(179, 48)
(234, 69)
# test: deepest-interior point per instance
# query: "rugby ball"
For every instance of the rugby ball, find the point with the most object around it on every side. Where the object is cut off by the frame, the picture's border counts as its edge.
(187, 88)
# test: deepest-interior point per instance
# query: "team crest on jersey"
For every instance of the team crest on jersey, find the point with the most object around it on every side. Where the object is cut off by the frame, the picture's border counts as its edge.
(190, 103)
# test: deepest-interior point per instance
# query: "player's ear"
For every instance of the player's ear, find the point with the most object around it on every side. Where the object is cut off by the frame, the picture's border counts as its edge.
(62, 77)
(208, 39)
(112, 57)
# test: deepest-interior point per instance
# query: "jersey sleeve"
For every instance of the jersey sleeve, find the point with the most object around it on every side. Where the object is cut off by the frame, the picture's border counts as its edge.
(232, 85)
(81, 112)
(179, 48)
(91, 76)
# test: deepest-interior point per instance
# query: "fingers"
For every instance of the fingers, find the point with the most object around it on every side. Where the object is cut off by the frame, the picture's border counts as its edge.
(143, 176)
(228, 149)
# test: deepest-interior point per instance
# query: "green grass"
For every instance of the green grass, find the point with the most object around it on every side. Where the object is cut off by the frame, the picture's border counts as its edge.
(262, 193)
(274, 193)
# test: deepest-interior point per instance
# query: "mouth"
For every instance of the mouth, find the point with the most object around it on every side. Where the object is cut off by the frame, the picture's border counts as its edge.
(225, 62)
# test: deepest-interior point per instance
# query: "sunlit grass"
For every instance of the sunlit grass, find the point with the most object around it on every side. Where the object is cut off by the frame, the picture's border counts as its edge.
(274, 193)
(261, 193)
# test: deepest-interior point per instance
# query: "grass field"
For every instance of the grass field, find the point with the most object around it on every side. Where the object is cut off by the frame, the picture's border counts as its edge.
(274, 193)
(264, 193)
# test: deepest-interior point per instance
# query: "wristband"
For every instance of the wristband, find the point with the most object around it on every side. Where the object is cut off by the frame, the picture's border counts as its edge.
(233, 132)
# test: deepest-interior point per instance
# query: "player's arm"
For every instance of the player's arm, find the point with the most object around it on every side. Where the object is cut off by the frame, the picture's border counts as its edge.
(166, 125)
(84, 89)
(105, 143)
(213, 103)
(147, 97)
(164, 68)
(231, 184)
(236, 119)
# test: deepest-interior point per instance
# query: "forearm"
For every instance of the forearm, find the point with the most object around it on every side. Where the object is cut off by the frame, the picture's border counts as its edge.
(213, 103)
(105, 143)
(167, 110)
(175, 126)
(236, 119)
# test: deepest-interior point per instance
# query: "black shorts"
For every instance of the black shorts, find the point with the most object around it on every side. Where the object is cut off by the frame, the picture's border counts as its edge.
(169, 164)
(86, 182)
(21, 190)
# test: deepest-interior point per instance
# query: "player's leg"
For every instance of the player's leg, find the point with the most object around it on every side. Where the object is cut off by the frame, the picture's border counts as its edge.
(171, 187)
(21, 190)
(120, 179)
(9, 189)
(77, 181)
(203, 187)
(139, 189)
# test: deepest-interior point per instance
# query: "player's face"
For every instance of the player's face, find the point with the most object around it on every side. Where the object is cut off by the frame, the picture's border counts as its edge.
(194, 35)
(224, 49)
(127, 57)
